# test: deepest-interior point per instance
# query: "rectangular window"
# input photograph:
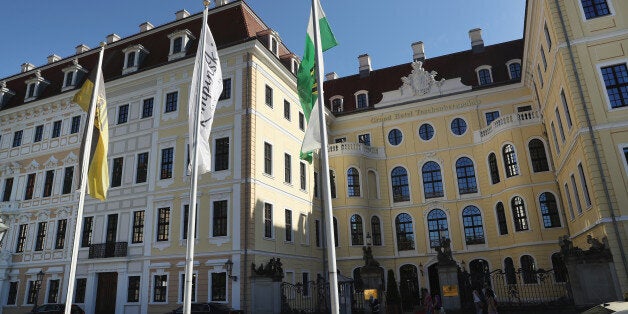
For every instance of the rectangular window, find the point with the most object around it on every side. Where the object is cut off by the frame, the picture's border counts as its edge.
(555, 138)
(221, 154)
(306, 286)
(316, 184)
(32, 293)
(67, 180)
(576, 195)
(288, 216)
(116, 173)
(524, 108)
(268, 220)
(171, 102)
(48, 181)
(69, 76)
(138, 227)
(585, 187)
(56, 129)
(21, 238)
(76, 124)
(219, 287)
(142, 168)
(317, 225)
(566, 108)
(62, 226)
(287, 173)
(304, 229)
(269, 96)
(364, 139)
(12, 299)
(8, 188)
(123, 114)
(569, 203)
(226, 89)
(130, 59)
(219, 228)
(39, 133)
(40, 241)
(286, 109)
(147, 108)
(491, 116)
(186, 217)
(302, 175)
(361, 101)
(548, 39)
(79, 294)
(595, 8)
(538, 71)
(53, 291)
(301, 121)
(167, 159)
(268, 158)
(86, 238)
(183, 287)
(616, 82)
(17, 138)
(133, 291)
(560, 125)
(163, 224)
(112, 228)
(30, 186)
(543, 59)
(160, 288)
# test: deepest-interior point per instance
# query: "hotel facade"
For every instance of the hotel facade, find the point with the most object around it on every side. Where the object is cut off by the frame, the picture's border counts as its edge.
(501, 148)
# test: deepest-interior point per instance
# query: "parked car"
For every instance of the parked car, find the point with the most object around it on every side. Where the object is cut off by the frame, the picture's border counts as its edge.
(204, 308)
(619, 307)
(54, 308)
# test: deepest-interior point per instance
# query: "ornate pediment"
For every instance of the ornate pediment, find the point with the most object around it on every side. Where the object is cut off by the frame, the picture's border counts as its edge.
(419, 82)
(70, 159)
(51, 163)
(34, 165)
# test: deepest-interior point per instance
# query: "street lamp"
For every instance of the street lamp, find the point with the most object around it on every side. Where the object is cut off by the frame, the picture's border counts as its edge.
(229, 268)
(40, 278)
(3, 231)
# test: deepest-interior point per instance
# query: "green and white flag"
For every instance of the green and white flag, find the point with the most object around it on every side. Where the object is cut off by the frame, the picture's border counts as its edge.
(306, 82)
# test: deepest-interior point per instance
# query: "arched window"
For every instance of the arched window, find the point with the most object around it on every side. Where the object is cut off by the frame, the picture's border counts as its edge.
(509, 268)
(549, 210)
(484, 76)
(538, 156)
(376, 230)
(528, 269)
(514, 70)
(492, 165)
(466, 176)
(560, 269)
(400, 189)
(353, 182)
(437, 226)
(432, 180)
(336, 236)
(405, 234)
(510, 161)
(357, 235)
(472, 221)
(519, 214)
(501, 218)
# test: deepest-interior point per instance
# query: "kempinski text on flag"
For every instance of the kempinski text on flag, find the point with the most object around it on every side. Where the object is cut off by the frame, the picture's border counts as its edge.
(206, 97)
(98, 171)
(306, 81)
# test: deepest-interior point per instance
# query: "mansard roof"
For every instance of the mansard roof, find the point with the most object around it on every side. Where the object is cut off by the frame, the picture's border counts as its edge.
(460, 64)
(231, 24)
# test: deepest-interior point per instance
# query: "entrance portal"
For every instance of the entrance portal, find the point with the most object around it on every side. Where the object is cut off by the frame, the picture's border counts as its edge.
(432, 273)
(106, 293)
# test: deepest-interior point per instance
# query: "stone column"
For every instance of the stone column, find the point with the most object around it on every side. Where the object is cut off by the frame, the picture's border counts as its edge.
(449, 290)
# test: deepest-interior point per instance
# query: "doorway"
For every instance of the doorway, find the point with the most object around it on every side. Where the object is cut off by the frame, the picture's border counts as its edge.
(106, 293)
(432, 273)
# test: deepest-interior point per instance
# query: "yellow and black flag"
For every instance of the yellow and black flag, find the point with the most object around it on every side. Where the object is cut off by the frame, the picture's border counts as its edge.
(98, 171)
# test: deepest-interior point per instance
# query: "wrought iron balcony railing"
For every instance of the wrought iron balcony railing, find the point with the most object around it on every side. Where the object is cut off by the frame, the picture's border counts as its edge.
(109, 249)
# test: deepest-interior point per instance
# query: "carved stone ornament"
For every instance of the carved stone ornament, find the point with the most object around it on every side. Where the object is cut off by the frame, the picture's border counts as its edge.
(34, 165)
(70, 159)
(51, 163)
(420, 82)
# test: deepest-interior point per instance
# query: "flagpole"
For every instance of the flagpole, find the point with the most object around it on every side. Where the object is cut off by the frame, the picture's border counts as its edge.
(189, 254)
(331, 248)
(84, 168)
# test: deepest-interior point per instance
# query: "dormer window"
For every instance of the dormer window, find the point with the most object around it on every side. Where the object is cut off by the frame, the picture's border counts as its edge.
(484, 75)
(179, 41)
(72, 75)
(514, 69)
(336, 104)
(5, 94)
(361, 100)
(35, 86)
(132, 57)
(295, 66)
(273, 43)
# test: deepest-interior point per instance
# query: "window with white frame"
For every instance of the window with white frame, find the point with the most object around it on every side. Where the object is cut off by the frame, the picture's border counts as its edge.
(132, 57)
(179, 41)
(336, 104)
(35, 86)
(218, 288)
(484, 74)
(514, 68)
(595, 8)
(616, 83)
(160, 288)
(361, 100)
(72, 75)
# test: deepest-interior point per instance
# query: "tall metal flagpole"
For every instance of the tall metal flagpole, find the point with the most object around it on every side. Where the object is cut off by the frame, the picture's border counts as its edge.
(189, 254)
(331, 249)
(84, 167)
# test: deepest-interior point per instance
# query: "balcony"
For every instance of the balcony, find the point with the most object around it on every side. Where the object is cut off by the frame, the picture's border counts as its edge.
(505, 123)
(106, 250)
(347, 148)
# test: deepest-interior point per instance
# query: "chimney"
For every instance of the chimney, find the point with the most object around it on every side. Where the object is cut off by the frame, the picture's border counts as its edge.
(111, 38)
(53, 58)
(331, 76)
(146, 26)
(418, 51)
(181, 14)
(365, 64)
(477, 44)
(81, 48)
(26, 66)
(221, 2)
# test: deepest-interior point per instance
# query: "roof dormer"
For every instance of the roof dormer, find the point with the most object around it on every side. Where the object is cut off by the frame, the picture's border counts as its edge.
(294, 65)
(35, 86)
(72, 75)
(5, 94)
(133, 56)
(179, 43)
(273, 42)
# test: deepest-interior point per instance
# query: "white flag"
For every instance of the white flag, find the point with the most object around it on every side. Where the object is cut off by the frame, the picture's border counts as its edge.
(204, 97)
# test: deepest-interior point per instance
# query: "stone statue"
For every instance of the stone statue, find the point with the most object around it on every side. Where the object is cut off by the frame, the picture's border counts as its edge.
(444, 255)
(369, 260)
(596, 245)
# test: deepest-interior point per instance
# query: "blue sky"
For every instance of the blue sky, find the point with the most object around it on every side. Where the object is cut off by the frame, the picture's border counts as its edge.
(34, 29)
